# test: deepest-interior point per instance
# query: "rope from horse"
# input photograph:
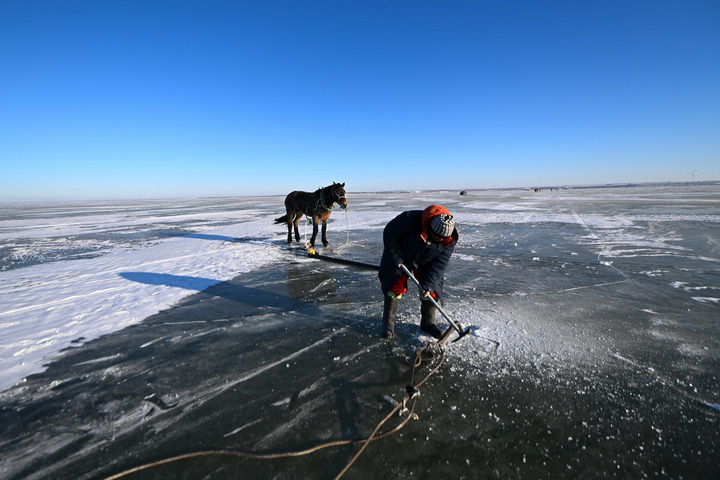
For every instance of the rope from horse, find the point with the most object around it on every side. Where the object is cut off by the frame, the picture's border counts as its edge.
(305, 221)
(347, 228)
(411, 395)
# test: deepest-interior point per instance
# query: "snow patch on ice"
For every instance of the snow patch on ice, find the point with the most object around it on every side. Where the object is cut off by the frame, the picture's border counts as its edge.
(115, 290)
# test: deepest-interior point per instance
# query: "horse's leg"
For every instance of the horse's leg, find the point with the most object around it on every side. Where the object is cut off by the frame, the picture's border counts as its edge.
(324, 229)
(315, 230)
(289, 218)
(296, 222)
(289, 226)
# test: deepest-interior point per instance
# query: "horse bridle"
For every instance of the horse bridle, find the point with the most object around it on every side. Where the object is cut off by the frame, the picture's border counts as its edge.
(321, 200)
(337, 195)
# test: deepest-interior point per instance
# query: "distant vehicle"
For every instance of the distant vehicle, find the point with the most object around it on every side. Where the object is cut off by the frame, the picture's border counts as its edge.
(463, 192)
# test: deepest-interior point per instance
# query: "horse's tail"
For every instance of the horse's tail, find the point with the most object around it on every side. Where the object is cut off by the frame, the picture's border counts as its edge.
(282, 219)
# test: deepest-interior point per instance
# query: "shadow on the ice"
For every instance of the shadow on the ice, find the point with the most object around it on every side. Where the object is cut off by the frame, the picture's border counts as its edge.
(222, 238)
(219, 238)
(228, 290)
(225, 238)
(261, 350)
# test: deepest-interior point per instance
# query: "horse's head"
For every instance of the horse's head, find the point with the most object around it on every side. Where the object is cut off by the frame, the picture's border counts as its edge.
(337, 194)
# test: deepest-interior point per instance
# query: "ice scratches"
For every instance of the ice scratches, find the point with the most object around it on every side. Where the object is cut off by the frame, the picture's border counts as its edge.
(619, 242)
(128, 420)
(594, 235)
(163, 402)
(594, 285)
(701, 299)
(673, 385)
(57, 385)
(117, 356)
(631, 362)
(54, 442)
(290, 401)
(280, 403)
(307, 408)
(240, 429)
(713, 300)
(352, 356)
(213, 391)
(322, 284)
(152, 342)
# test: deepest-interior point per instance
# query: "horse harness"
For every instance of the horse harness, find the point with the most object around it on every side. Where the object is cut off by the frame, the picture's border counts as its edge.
(320, 203)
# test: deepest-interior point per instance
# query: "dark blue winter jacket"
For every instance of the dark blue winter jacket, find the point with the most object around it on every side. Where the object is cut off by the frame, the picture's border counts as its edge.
(403, 244)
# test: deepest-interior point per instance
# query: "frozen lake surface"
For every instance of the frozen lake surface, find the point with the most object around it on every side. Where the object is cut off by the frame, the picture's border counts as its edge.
(131, 332)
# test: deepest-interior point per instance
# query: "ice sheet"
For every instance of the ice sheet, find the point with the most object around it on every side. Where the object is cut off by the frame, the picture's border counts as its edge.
(593, 348)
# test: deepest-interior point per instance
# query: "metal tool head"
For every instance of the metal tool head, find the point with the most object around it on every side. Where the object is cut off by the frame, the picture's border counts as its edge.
(462, 333)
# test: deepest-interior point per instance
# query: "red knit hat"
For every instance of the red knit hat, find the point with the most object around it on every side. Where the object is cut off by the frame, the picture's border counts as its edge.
(428, 214)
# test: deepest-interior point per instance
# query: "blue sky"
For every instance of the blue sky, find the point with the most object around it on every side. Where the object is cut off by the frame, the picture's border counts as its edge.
(139, 99)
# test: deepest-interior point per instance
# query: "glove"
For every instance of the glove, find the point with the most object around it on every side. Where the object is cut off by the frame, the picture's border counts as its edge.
(428, 294)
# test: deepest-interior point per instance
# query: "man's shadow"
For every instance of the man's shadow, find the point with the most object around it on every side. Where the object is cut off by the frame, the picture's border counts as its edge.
(172, 368)
(228, 290)
(180, 281)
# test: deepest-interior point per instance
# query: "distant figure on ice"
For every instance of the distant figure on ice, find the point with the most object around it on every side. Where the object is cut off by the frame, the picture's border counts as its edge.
(423, 241)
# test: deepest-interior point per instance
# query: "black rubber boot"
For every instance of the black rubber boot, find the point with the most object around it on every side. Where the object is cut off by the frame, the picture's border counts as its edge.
(427, 320)
(388, 321)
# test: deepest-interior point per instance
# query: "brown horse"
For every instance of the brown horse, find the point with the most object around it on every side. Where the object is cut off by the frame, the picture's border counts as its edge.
(317, 205)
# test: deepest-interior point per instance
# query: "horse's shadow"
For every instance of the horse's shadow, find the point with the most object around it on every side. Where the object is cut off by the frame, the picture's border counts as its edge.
(217, 238)
(225, 238)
